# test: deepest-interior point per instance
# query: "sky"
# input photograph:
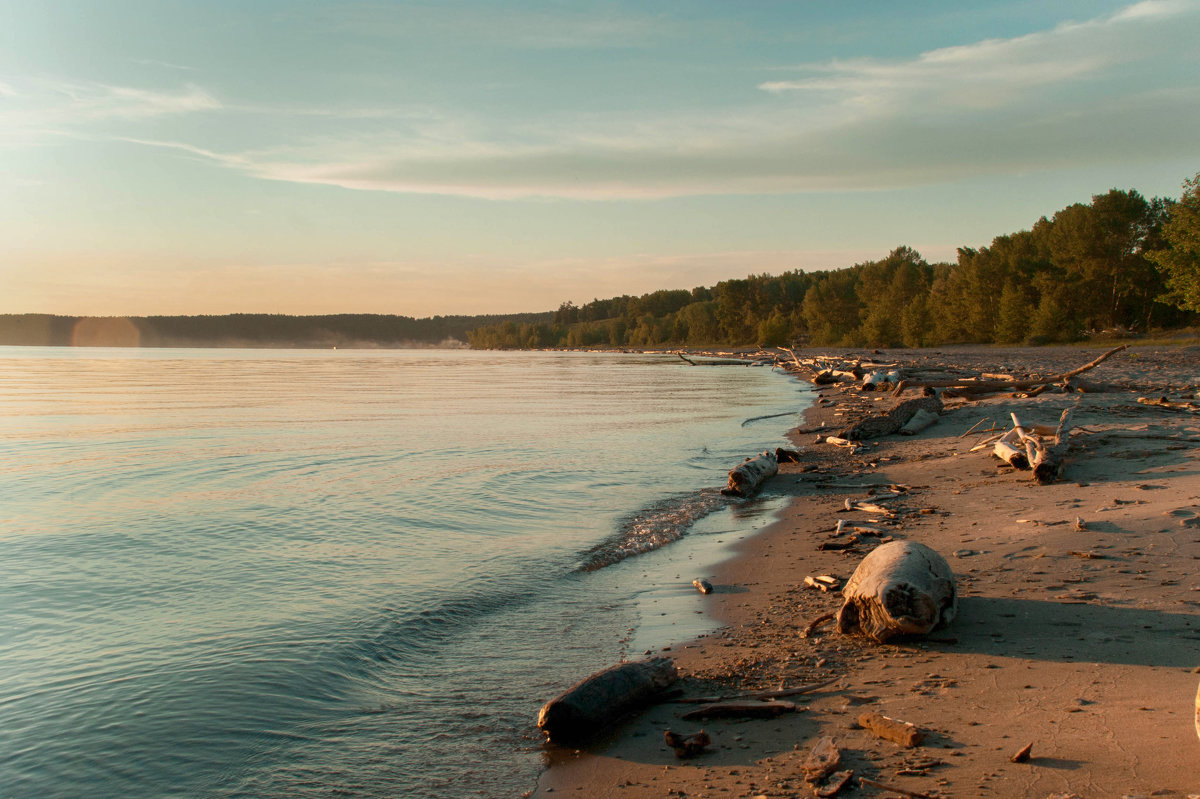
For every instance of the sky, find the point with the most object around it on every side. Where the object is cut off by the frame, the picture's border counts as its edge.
(497, 156)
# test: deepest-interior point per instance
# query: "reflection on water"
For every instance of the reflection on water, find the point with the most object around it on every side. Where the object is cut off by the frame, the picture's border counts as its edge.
(294, 573)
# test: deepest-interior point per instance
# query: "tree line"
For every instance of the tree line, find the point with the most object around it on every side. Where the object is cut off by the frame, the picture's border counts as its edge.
(1119, 263)
(248, 330)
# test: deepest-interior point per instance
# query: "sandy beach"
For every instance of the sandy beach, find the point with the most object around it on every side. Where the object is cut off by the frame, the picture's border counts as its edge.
(1078, 629)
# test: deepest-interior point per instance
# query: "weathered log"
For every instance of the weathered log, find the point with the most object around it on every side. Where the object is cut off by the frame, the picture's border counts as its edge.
(741, 710)
(890, 729)
(901, 588)
(745, 479)
(822, 760)
(1005, 385)
(686, 746)
(920, 420)
(892, 421)
(1011, 449)
(1048, 464)
(836, 783)
(593, 704)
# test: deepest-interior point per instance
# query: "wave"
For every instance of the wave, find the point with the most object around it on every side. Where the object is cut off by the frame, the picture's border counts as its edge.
(654, 526)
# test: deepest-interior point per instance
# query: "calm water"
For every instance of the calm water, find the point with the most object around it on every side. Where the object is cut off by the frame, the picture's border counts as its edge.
(296, 573)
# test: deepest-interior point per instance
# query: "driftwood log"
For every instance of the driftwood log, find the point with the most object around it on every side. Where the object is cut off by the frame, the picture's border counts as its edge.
(901, 732)
(892, 421)
(746, 478)
(1047, 463)
(590, 706)
(901, 588)
(741, 710)
(984, 386)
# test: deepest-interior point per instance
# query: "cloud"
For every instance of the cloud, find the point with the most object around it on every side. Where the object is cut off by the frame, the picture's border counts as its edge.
(1081, 94)
(994, 72)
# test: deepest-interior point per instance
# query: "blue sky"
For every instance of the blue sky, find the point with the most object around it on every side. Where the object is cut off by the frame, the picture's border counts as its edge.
(470, 157)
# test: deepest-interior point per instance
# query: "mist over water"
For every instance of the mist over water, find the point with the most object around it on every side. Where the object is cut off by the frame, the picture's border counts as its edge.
(262, 573)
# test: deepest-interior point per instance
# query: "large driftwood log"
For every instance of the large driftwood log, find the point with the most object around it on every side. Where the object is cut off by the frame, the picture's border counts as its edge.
(982, 386)
(892, 421)
(591, 705)
(901, 588)
(1048, 462)
(745, 479)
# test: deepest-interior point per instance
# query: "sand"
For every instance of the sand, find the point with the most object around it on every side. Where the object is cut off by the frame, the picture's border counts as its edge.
(1080, 639)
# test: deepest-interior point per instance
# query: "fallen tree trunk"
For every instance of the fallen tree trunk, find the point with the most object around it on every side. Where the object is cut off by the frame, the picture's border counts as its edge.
(591, 705)
(741, 710)
(892, 421)
(1048, 464)
(901, 588)
(979, 386)
(745, 479)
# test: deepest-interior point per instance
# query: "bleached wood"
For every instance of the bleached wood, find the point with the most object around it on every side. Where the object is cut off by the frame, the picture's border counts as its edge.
(901, 588)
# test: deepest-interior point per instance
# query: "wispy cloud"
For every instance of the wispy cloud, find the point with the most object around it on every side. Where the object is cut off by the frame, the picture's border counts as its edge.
(1079, 94)
(994, 72)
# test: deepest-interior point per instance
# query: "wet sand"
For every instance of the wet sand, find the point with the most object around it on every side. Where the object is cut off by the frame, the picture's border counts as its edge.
(1080, 639)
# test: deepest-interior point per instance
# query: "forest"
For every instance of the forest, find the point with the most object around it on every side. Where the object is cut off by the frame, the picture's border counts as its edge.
(249, 330)
(1121, 264)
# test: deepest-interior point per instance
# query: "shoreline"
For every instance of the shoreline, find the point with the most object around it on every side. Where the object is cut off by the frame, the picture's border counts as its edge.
(1088, 658)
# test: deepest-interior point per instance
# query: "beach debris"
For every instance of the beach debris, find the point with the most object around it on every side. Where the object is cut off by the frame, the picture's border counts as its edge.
(1047, 462)
(1163, 402)
(835, 784)
(746, 478)
(1008, 449)
(1024, 448)
(1198, 711)
(823, 759)
(920, 420)
(868, 507)
(976, 386)
(776, 693)
(901, 588)
(885, 424)
(592, 704)
(811, 628)
(893, 789)
(1022, 755)
(881, 380)
(787, 455)
(837, 441)
(823, 582)
(702, 585)
(862, 528)
(901, 732)
(687, 746)
(741, 710)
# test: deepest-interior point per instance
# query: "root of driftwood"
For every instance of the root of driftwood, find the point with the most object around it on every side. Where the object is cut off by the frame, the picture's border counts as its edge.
(816, 624)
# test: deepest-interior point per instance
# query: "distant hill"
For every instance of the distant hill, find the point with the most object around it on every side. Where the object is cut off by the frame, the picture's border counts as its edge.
(249, 330)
